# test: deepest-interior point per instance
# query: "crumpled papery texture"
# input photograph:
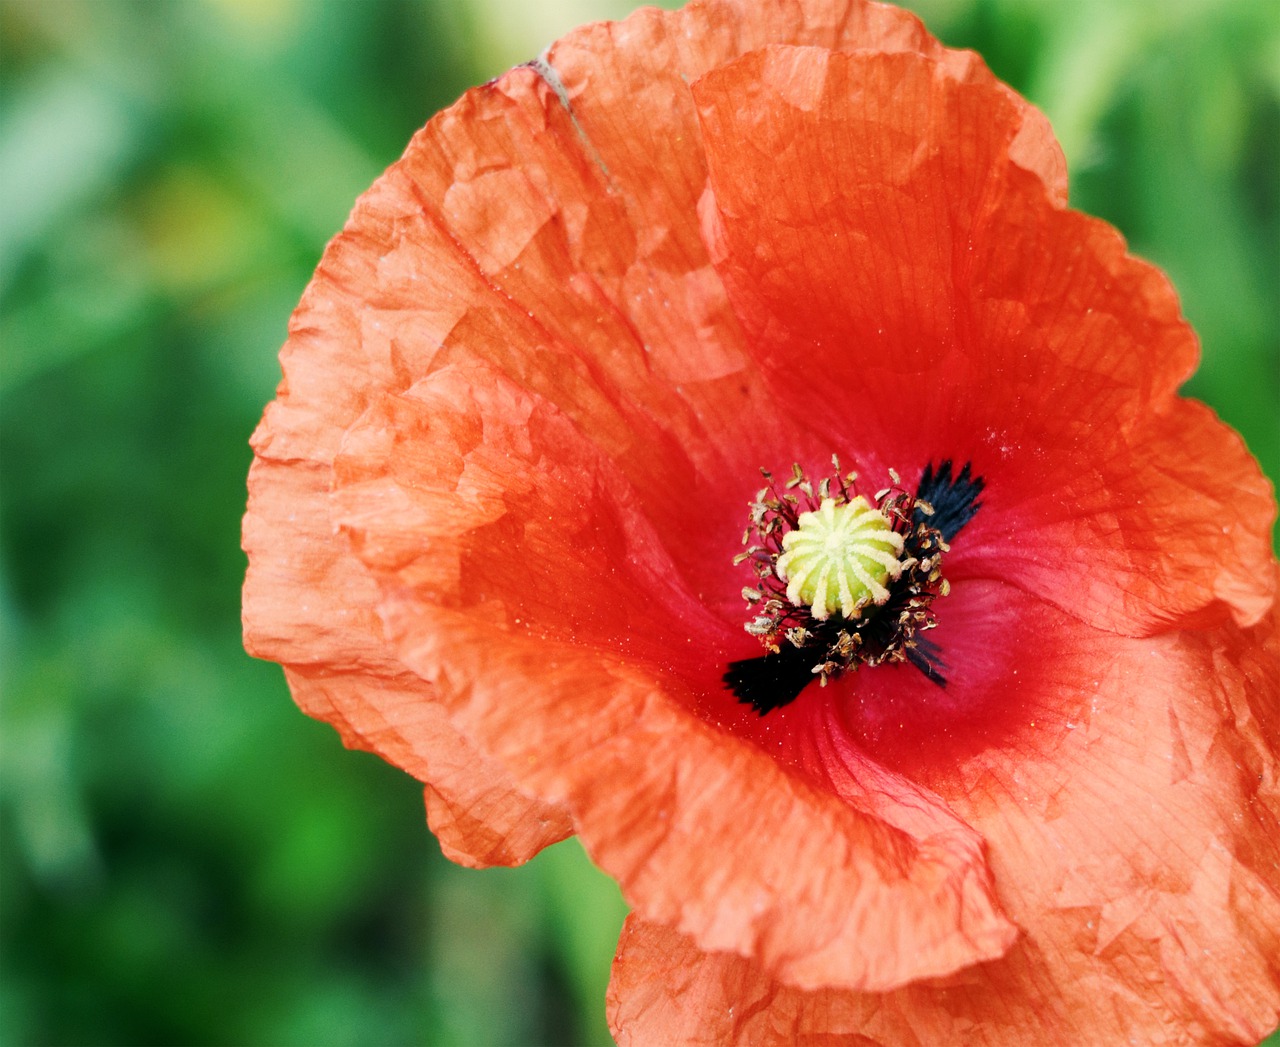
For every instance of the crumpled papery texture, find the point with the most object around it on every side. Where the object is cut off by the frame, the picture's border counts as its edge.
(1136, 851)
(494, 507)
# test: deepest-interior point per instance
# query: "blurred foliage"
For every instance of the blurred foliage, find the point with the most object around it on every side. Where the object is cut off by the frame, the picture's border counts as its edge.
(186, 859)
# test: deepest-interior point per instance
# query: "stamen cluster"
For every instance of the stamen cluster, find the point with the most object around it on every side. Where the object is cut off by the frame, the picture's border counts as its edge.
(883, 625)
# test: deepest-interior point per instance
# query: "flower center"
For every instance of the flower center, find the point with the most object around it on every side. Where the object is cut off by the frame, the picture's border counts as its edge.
(839, 558)
(845, 581)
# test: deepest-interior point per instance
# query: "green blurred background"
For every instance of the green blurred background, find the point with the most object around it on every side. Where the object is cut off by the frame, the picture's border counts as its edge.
(186, 859)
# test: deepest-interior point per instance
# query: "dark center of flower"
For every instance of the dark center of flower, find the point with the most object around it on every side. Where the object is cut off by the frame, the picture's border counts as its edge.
(843, 581)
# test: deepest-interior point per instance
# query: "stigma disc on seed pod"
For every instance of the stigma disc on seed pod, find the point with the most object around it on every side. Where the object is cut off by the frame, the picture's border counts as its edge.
(839, 558)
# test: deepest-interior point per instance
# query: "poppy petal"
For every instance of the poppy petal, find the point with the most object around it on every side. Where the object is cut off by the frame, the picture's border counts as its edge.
(473, 809)
(871, 228)
(1138, 852)
(314, 611)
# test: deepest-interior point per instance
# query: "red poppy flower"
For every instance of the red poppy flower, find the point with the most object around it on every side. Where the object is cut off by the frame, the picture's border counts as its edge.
(495, 510)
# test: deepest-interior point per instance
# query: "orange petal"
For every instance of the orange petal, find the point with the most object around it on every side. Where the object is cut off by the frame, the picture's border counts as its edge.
(474, 810)
(309, 604)
(872, 228)
(1162, 524)
(1137, 844)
